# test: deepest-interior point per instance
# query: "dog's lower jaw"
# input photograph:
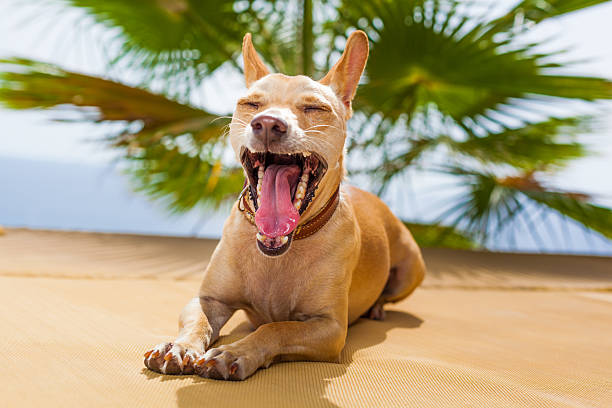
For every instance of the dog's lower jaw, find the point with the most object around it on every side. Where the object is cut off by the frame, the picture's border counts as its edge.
(274, 252)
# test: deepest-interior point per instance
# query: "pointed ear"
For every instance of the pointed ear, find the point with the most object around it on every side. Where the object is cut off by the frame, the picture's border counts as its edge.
(254, 67)
(344, 76)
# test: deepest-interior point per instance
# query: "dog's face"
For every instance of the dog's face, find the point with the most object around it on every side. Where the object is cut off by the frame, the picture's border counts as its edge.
(289, 133)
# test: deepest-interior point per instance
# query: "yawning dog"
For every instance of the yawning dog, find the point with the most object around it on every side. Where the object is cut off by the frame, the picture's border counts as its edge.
(302, 253)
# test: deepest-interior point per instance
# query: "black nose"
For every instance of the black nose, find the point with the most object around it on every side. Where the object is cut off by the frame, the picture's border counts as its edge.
(269, 128)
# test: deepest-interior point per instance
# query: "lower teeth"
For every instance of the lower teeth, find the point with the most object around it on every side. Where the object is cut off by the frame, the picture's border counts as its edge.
(272, 242)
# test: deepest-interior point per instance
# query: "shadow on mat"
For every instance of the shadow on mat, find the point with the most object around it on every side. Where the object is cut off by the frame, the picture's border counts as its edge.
(291, 384)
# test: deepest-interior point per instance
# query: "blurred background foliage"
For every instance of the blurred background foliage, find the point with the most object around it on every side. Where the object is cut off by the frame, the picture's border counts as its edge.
(443, 80)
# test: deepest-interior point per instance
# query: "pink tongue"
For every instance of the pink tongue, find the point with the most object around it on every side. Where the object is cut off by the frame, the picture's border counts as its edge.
(277, 216)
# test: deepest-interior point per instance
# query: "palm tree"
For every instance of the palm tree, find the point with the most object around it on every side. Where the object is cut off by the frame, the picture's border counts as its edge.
(447, 90)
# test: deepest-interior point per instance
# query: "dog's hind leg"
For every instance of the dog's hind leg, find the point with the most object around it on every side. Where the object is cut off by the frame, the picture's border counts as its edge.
(406, 273)
(404, 278)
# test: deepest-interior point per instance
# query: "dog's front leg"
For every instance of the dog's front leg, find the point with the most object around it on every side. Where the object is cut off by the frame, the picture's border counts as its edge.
(199, 325)
(318, 338)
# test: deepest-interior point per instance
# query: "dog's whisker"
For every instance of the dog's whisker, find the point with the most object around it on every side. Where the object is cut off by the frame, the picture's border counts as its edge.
(219, 118)
(312, 144)
(316, 126)
(310, 138)
(237, 127)
(321, 125)
(240, 121)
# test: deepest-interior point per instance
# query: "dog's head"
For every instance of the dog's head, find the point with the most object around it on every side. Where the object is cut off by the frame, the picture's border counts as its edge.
(288, 132)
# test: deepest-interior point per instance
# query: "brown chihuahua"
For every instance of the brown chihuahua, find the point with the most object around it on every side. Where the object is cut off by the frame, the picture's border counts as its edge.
(302, 253)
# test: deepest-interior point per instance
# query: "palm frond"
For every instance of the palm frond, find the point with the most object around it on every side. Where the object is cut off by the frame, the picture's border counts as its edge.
(171, 37)
(28, 84)
(437, 236)
(536, 11)
(423, 54)
(535, 146)
(575, 206)
(393, 165)
(174, 148)
(184, 180)
(183, 41)
(492, 202)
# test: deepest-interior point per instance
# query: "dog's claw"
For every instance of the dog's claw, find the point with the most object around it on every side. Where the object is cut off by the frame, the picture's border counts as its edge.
(229, 362)
(173, 359)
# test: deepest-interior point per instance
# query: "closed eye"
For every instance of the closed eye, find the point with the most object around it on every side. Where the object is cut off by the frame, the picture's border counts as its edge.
(314, 108)
(249, 104)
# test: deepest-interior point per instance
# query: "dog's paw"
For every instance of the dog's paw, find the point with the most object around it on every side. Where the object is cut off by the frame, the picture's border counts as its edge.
(376, 312)
(172, 358)
(228, 362)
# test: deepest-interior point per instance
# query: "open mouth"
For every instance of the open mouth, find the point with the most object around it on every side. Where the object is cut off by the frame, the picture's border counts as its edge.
(281, 186)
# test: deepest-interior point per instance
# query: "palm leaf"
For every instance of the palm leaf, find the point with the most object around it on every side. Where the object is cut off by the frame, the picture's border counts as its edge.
(436, 236)
(184, 180)
(532, 147)
(492, 202)
(170, 145)
(536, 11)
(420, 58)
(574, 205)
(171, 37)
(28, 84)
(183, 41)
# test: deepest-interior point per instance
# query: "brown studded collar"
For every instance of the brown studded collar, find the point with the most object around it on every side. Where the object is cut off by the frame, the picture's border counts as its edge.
(304, 230)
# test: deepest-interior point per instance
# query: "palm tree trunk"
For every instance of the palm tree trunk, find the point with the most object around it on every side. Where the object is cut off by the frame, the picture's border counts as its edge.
(307, 39)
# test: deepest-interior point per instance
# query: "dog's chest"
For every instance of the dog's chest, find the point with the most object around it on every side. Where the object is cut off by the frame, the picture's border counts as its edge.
(276, 292)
